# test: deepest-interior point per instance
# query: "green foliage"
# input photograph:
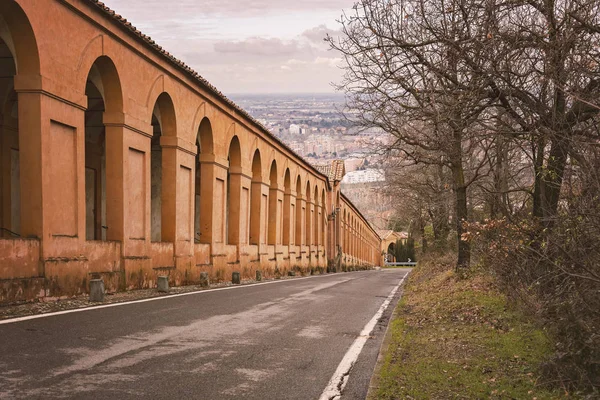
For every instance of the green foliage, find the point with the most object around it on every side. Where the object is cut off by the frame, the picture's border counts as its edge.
(405, 251)
(395, 225)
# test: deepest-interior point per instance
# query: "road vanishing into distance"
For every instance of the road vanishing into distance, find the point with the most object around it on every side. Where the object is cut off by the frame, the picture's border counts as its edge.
(277, 340)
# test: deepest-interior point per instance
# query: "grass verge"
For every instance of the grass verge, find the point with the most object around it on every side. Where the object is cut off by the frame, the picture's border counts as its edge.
(460, 339)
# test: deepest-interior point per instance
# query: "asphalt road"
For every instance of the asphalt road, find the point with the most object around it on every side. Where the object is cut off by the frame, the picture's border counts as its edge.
(281, 340)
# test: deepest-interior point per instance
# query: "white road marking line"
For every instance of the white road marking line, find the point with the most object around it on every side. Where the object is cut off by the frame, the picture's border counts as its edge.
(340, 377)
(92, 308)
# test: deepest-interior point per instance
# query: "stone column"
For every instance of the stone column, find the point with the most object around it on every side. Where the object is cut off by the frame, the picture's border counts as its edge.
(275, 206)
(9, 187)
(128, 191)
(264, 219)
(239, 199)
(214, 225)
(309, 221)
(115, 176)
(34, 135)
(256, 212)
(288, 233)
(178, 197)
(210, 168)
(299, 231)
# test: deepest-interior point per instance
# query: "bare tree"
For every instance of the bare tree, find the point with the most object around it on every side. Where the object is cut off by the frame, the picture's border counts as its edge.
(545, 76)
(423, 197)
(404, 74)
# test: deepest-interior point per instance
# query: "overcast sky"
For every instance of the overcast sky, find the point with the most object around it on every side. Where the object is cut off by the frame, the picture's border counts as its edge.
(253, 46)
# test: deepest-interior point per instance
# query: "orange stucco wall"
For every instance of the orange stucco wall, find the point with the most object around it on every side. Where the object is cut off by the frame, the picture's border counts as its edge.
(176, 161)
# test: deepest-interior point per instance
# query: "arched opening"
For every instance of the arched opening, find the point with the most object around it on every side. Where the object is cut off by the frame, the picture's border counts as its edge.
(274, 206)
(343, 239)
(323, 218)
(288, 214)
(308, 217)
(18, 163)
(202, 209)
(163, 123)
(350, 234)
(298, 219)
(103, 91)
(315, 238)
(347, 236)
(360, 236)
(232, 212)
(354, 236)
(16, 33)
(391, 252)
(10, 176)
(255, 199)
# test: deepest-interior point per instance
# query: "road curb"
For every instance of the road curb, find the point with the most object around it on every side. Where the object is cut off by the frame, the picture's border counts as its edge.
(385, 344)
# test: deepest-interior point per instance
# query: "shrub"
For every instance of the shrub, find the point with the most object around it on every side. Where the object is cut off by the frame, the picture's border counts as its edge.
(555, 273)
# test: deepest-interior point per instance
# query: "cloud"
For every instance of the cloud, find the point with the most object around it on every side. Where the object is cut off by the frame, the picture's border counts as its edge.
(224, 8)
(319, 33)
(258, 46)
(331, 62)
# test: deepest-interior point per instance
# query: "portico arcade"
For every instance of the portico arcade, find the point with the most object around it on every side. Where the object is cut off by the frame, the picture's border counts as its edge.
(119, 161)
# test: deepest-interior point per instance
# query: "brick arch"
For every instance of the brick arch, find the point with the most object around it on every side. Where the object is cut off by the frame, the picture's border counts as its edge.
(273, 175)
(164, 111)
(205, 137)
(255, 198)
(164, 123)
(256, 164)
(160, 93)
(298, 219)
(273, 212)
(234, 152)
(324, 218)
(224, 132)
(315, 223)
(102, 88)
(344, 231)
(233, 201)
(307, 215)
(203, 188)
(20, 38)
(288, 216)
(103, 73)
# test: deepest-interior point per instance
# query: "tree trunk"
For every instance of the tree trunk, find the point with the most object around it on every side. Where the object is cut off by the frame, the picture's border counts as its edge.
(538, 169)
(458, 175)
(423, 238)
(553, 178)
(464, 248)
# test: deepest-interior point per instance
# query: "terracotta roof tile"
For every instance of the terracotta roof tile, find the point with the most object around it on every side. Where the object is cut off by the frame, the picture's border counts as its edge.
(335, 171)
(324, 169)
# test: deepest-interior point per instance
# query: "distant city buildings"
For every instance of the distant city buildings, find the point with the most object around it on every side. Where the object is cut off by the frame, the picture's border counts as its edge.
(295, 129)
(314, 128)
(364, 176)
